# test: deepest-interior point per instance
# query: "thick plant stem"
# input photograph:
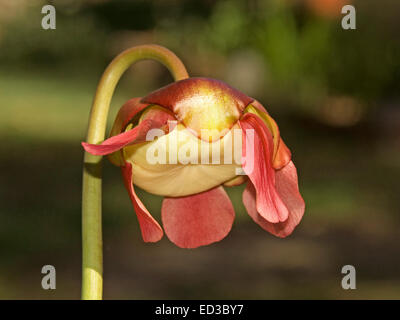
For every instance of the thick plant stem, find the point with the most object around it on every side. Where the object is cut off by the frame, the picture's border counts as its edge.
(92, 247)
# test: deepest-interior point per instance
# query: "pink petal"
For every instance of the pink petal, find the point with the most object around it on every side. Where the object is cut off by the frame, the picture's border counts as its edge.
(269, 204)
(287, 187)
(115, 143)
(151, 230)
(282, 154)
(125, 115)
(199, 219)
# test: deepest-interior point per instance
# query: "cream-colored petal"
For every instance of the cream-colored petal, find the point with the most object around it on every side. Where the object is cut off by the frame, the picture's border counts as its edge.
(184, 171)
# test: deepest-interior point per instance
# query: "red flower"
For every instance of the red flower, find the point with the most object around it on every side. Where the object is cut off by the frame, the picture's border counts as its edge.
(203, 117)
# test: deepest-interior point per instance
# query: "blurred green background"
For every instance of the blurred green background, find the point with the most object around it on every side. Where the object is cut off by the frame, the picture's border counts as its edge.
(334, 93)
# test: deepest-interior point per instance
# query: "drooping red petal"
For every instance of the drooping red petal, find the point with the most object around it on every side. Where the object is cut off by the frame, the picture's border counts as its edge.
(151, 230)
(260, 171)
(282, 154)
(115, 143)
(199, 219)
(287, 186)
(125, 114)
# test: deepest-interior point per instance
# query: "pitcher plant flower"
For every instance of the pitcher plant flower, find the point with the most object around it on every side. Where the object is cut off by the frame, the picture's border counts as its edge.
(186, 142)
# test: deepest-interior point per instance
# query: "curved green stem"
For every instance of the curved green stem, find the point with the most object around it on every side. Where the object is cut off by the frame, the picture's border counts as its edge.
(92, 247)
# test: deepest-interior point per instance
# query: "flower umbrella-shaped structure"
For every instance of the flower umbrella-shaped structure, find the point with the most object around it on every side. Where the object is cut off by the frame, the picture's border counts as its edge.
(188, 140)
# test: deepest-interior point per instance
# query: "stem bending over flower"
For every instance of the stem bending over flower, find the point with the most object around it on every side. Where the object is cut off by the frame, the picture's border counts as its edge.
(92, 256)
(197, 120)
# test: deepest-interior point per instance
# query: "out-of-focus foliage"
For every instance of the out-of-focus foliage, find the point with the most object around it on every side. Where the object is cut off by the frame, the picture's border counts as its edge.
(78, 40)
(298, 52)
